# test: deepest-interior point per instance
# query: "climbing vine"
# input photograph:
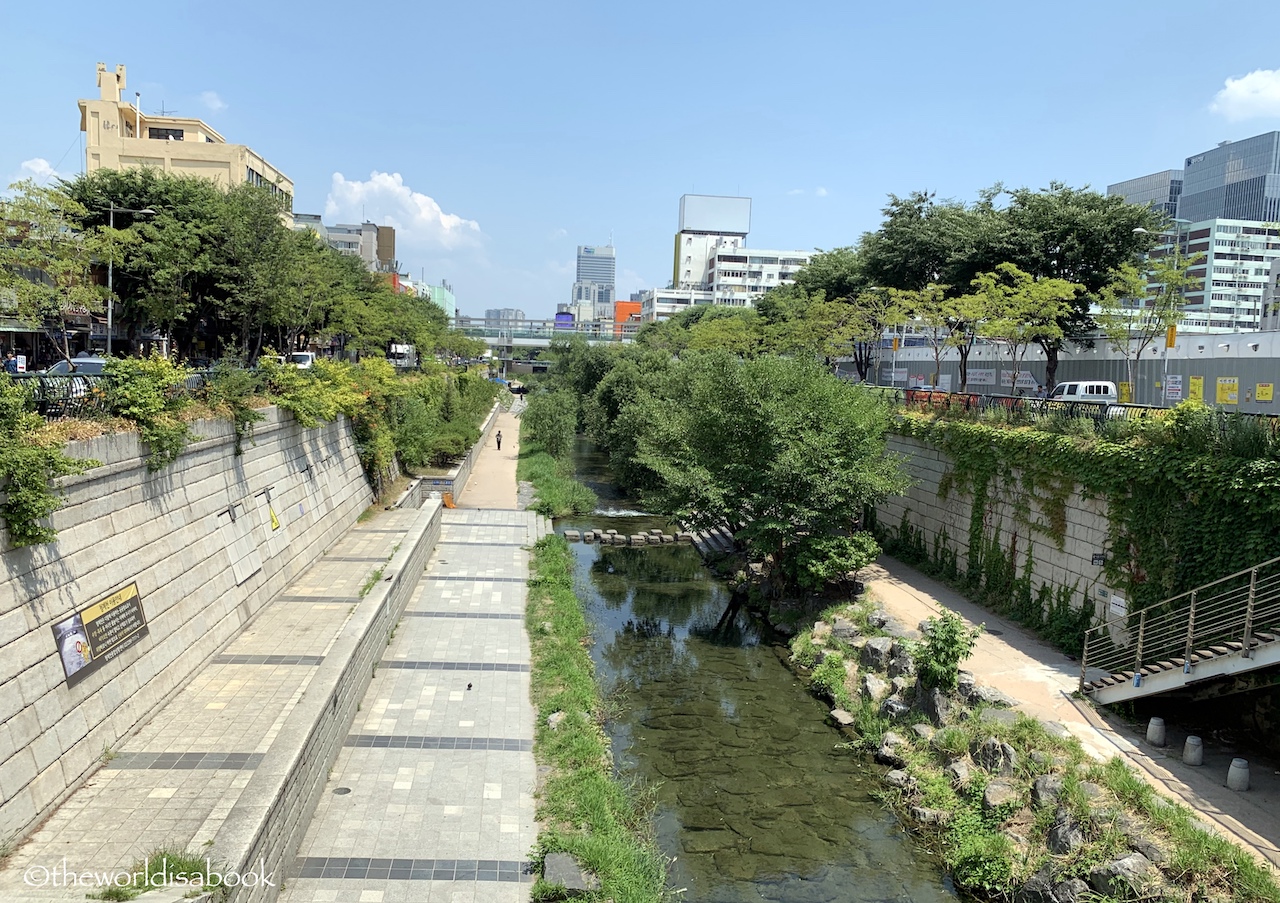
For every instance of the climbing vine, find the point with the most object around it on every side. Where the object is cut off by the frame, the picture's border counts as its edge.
(1191, 496)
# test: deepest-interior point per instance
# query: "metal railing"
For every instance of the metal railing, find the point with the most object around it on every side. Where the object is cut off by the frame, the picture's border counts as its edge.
(1232, 614)
(55, 396)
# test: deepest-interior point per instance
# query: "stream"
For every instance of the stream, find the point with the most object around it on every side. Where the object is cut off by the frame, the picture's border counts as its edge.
(754, 800)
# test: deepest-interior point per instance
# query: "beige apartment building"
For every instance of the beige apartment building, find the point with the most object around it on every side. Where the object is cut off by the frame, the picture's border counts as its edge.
(118, 135)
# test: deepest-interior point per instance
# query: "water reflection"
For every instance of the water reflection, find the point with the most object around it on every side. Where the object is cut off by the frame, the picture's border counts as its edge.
(755, 802)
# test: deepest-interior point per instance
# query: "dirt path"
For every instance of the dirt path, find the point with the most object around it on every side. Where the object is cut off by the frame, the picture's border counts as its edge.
(493, 478)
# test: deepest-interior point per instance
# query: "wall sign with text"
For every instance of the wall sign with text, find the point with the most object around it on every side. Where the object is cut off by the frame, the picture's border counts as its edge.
(95, 635)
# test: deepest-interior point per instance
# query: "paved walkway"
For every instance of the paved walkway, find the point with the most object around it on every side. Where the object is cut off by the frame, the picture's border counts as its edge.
(432, 798)
(1043, 680)
(174, 783)
(493, 478)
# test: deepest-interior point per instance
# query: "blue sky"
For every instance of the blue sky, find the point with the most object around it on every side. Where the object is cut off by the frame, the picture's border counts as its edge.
(498, 136)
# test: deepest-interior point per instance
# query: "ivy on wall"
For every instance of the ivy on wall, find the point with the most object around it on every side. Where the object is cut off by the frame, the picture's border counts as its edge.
(1191, 496)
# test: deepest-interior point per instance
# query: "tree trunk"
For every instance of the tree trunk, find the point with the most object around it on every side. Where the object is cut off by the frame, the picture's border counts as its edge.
(1050, 366)
(964, 366)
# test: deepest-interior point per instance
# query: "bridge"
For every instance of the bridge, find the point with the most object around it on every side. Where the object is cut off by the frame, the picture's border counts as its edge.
(539, 333)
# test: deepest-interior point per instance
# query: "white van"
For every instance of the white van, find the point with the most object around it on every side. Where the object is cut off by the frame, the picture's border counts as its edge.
(1092, 391)
(302, 359)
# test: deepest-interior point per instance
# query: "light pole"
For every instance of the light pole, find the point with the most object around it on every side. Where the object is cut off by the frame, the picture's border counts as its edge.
(111, 254)
(1177, 259)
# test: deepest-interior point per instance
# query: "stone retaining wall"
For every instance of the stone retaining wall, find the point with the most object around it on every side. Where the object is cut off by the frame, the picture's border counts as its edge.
(947, 520)
(271, 816)
(456, 479)
(198, 540)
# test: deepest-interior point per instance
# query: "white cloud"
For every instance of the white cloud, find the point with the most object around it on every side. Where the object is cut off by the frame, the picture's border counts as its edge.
(385, 199)
(796, 191)
(37, 168)
(1250, 97)
(820, 191)
(211, 100)
(557, 234)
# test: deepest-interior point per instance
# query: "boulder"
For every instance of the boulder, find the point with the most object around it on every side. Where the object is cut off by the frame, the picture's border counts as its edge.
(901, 685)
(958, 773)
(1041, 758)
(922, 731)
(589, 536)
(1046, 790)
(936, 705)
(1090, 790)
(902, 665)
(965, 685)
(1123, 877)
(931, 817)
(1073, 890)
(899, 778)
(562, 870)
(998, 794)
(878, 619)
(684, 537)
(1041, 888)
(554, 719)
(873, 688)
(995, 757)
(820, 630)
(991, 696)
(894, 708)
(844, 629)
(572, 535)
(875, 655)
(890, 751)
(842, 718)
(1007, 717)
(1066, 836)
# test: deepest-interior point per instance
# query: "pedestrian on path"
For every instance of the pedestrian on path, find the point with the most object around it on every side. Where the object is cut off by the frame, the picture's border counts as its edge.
(499, 440)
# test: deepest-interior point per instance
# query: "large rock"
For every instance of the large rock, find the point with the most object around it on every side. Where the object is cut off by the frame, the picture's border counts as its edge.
(554, 719)
(1042, 888)
(958, 773)
(965, 684)
(875, 655)
(998, 794)
(873, 688)
(901, 685)
(996, 757)
(936, 705)
(1073, 890)
(930, 817)
(923, 731)
(563, 870)
(1007, 717)
(844, 629)
(1046, 790)
(992, 696)
(1123, 877)
(901, 662)
(890, 751)
(1066, 836)
(899, 778)
(842, 718)
(894, 708)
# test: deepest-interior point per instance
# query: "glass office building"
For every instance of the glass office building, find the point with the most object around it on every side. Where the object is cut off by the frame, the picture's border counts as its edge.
(1160, 190)
(1237, 180)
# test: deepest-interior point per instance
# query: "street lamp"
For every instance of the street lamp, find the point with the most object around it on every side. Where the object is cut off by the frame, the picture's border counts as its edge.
(1177, 256)
(111, 224)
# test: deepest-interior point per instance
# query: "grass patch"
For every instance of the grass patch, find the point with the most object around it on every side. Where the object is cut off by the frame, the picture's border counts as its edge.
(586, 811)
(371, 582)
(558, 493)
(169, 867)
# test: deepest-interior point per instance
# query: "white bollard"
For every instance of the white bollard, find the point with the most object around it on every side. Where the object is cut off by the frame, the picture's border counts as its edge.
(1155, 732)
(1193, 751)
(1238, 775)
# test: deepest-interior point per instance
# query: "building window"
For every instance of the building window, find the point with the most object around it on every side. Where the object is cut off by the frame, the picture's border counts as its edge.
(165, 134)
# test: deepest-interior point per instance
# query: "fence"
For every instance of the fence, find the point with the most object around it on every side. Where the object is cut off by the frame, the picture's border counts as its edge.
(81, 395)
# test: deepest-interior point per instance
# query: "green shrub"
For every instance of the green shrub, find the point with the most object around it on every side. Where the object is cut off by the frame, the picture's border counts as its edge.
(551, 420)
(947, 643)
(151, 392)
(829, 677)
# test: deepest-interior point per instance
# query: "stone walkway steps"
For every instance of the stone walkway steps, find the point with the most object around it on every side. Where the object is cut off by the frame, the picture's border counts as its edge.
(432, 798)
(175, 782)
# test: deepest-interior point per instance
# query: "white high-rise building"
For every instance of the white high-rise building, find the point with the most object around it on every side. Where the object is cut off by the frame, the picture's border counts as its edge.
(594, 284)
(1238, 260)
(1271, 300)
(713, 265)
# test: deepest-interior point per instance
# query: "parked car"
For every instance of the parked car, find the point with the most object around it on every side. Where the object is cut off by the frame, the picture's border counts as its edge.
(1088, 391)
(85, 366)
(302, 359)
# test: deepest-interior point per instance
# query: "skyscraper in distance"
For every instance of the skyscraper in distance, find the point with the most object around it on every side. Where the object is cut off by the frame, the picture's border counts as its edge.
(594, 282)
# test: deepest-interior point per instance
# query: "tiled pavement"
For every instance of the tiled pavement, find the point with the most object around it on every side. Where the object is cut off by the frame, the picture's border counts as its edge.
(432, 797)
(174, 782)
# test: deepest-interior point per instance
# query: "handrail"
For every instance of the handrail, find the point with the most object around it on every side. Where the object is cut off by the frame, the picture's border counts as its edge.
(1229, 612)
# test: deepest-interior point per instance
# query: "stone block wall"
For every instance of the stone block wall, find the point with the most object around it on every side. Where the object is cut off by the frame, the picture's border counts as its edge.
(1071, 564)
(208, 540)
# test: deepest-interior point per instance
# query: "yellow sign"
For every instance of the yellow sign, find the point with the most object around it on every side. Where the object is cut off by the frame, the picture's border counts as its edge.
(895, 343)
(1171, 337)
(1228, 390)
(93, 636)
(1264, 392)
(275, 521)
(1196, 391)
(1126, 392)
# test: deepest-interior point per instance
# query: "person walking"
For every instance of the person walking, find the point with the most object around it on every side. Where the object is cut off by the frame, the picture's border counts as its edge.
(499, 438)
(11, 363)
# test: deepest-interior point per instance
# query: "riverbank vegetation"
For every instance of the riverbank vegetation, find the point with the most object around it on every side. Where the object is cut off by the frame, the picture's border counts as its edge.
(548, 428)
(427, 418)
(1015, 808)
(778, 447)
(584, 808)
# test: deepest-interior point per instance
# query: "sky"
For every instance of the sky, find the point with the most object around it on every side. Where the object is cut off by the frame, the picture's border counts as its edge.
(498, 136)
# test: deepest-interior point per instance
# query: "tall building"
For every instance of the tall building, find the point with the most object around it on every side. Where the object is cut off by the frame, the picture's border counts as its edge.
(503, 316)
(374, 244)
(713, 265)
(1160, 190)
(594, 282)
(1239, 257)
(1271, 300)
(442, 296)
(1237, 180)
(118, 135)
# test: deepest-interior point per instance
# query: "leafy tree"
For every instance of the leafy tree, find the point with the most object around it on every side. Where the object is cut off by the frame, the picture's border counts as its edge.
(944, 323)
(1017, 309)
(551, 419)
(838, 274)
(874, 312)
(46, 260)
